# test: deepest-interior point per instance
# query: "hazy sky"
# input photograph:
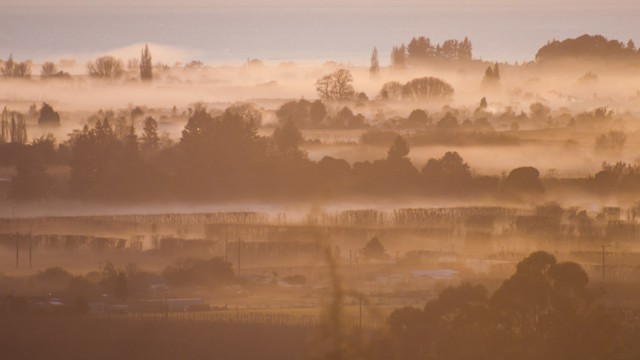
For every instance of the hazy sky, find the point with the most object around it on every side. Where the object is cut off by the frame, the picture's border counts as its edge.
(341, 30)
(480, 3)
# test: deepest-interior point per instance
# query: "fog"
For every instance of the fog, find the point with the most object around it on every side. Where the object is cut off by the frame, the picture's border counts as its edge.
(361, 211)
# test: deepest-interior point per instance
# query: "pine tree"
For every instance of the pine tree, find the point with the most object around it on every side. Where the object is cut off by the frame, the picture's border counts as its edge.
(146, 69)
(150, 140)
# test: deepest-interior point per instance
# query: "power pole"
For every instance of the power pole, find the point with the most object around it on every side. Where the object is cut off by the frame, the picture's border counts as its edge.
(17, 251)
(603, 263)
(239, 245)
(360, 311)
(30, 251)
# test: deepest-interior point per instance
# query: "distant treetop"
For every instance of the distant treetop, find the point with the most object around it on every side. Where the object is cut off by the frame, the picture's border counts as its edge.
(588, 47)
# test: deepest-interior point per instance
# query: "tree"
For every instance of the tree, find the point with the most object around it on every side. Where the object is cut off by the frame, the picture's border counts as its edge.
(374, 249)
(427, 88)
(146, 68)
(418, 118)
(483, 104)
(297, 111)
(13, 69)
(491, 76)
(391, 90)
(48, 70)
(611, 142)
(539, 111)
(105, 67)
(447, 174)
(48, 117)
(150, 140)
(18, 129)
(587, 47)
(247, 113)
(399, 149)
(418, 49)
(336, 86)
(399, 57)
(523, 181)
(317, 112)
(287, 137)
(374, 68)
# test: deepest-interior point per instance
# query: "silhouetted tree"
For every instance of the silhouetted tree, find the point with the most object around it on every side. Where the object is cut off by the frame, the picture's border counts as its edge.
(586, 47)
(539, 111)
(317, 112)
(105, 67)
(336, 86)
(13, 69)
(399, 149)
(391, 90)
(150, 140)
(48, 117)
(48, 70)
(146, 68)
(523, 181)
(374, 249)
(449, 174)
(399, 57)
(418, 118)
(287, 137)
(427, 88)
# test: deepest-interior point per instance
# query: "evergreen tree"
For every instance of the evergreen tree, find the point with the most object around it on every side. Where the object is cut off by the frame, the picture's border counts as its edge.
(146, 69)
(150, 139)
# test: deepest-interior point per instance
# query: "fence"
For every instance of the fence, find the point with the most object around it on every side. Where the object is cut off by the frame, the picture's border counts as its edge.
(262, 319)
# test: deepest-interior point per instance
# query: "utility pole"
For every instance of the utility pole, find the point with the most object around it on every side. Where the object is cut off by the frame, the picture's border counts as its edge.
(360, 296)
(239, 244)
(603, 263)
(30, 250)
(17, 251)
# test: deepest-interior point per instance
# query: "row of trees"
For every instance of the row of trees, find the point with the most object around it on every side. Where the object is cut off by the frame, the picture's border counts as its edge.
(105, 67)
(220, 155)
(546, 310)
(420, 50)
(425, 88)
(338, 86)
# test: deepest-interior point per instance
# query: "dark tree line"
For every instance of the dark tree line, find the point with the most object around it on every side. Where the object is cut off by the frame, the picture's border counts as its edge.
(546, 310)
(420, 50)
(588, 47)
(221, 156)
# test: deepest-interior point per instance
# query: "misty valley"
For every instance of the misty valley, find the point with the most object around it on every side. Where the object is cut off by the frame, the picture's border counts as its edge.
(427, 205)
